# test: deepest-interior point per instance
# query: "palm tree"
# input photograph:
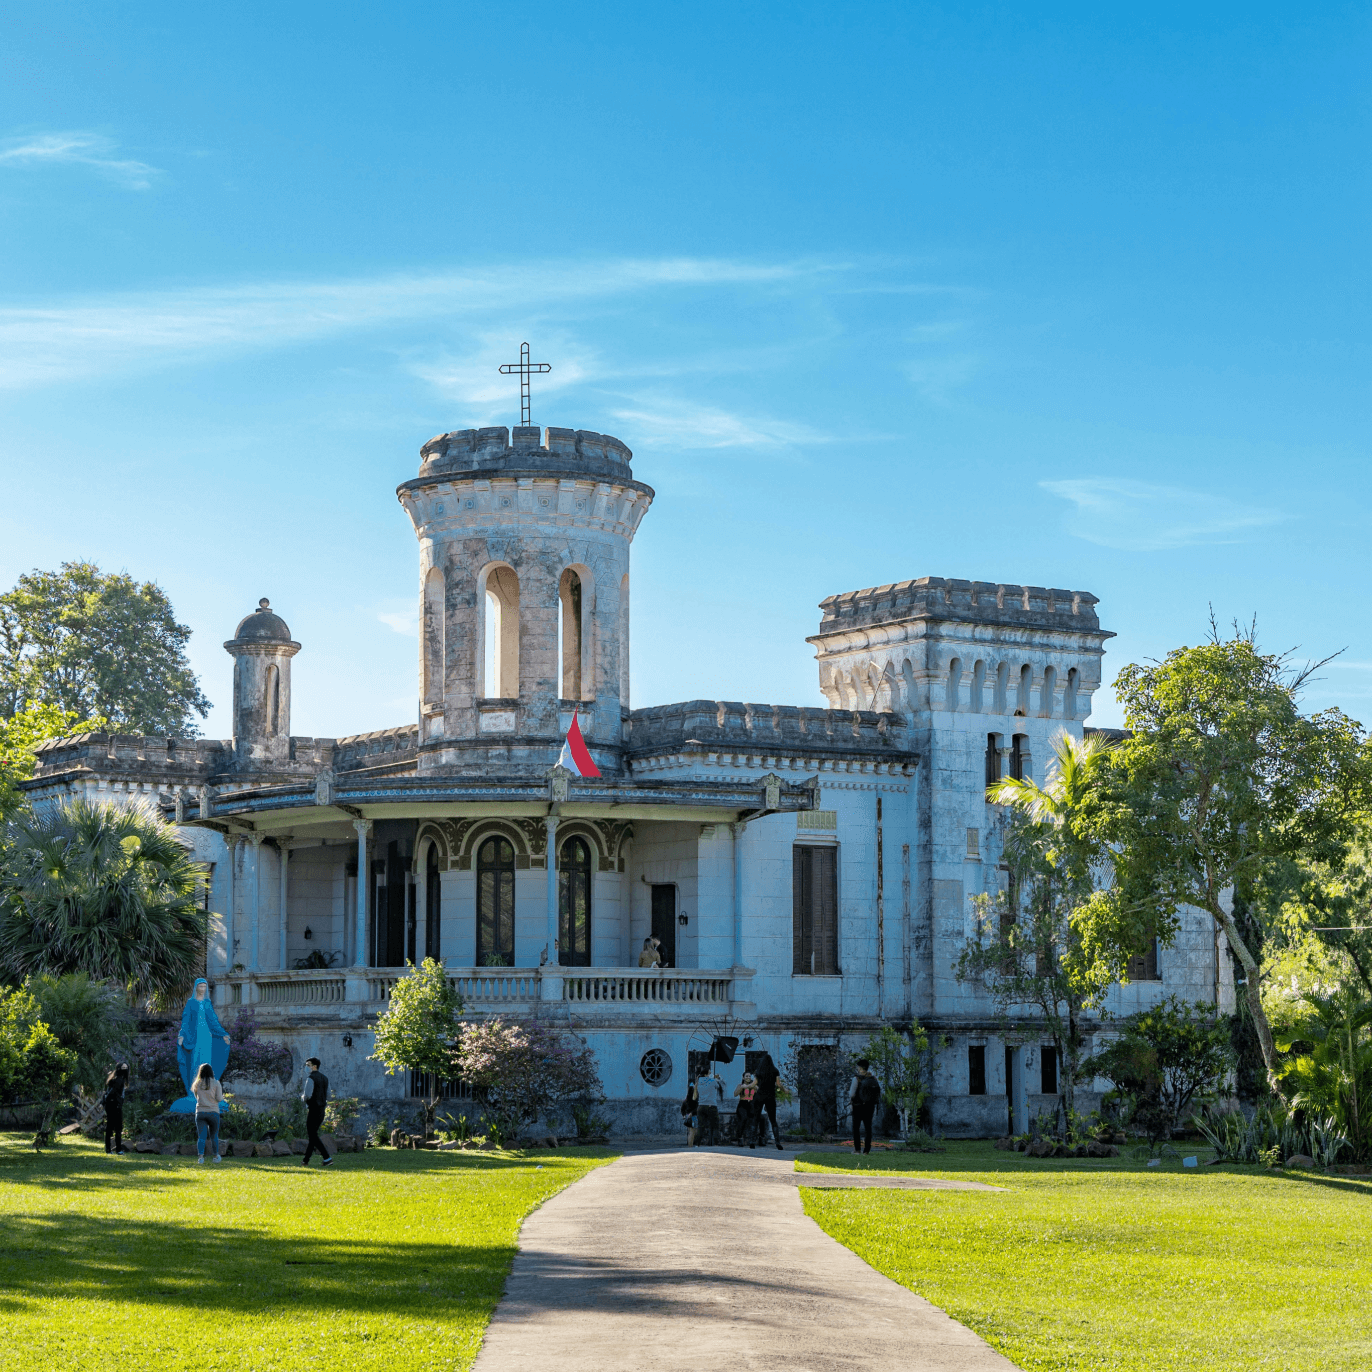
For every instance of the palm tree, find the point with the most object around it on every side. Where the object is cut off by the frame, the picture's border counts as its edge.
(104, 889)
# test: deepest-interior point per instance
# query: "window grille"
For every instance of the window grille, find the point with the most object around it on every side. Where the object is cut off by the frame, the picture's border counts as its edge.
(814, 911)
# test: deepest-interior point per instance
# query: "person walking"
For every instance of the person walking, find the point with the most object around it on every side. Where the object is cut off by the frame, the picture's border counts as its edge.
(864, 1096)
(209, 1096)
(113, 1101)
(767, 1078)
(315, 1094)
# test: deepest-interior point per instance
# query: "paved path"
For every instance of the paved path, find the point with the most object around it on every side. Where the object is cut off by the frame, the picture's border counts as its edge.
(665, 1262)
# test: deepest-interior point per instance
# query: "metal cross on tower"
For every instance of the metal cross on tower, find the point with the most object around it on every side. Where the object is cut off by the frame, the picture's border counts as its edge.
(524, 370)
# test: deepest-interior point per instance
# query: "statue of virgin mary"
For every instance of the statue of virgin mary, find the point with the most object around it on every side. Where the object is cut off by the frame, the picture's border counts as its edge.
(201, 1039)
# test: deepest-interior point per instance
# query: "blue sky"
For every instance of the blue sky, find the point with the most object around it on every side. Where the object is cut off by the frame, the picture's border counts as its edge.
(1064, 295)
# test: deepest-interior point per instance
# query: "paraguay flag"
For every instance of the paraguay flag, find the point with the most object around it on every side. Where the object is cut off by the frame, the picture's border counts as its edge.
(575, 756)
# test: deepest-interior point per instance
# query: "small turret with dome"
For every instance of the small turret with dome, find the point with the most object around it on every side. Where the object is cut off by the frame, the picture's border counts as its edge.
(262, 649)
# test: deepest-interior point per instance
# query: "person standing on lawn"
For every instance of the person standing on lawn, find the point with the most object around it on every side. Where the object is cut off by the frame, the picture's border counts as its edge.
(767, 1078)
(209, 1096)
(864, 1096)
(315, 1094)
(113, 1101)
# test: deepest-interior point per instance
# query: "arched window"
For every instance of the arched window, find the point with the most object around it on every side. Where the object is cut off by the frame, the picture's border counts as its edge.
(1026, 679)
(624, 640)
(1002, 678)
(273, 710)
(574, 904)
(1069, 696)
(495, 903)
(978, 683)
(1048, 691)
(433, 904)
(433, 632)
(569, 634)
(498, 587)
(954, 684)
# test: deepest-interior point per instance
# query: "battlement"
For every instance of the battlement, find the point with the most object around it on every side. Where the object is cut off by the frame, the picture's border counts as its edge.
(765, 728)
(397, 747)
(141, 754)
(578, 451)
(944, 598)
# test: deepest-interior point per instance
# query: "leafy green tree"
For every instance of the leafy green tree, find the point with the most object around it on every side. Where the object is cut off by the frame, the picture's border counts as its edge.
(110, 890)
(418, 1032)
(1220, 788)
(1168, 1060)
(91, 1018)
(1027, 950)
(1331, 1070)
(901, 1062)
(97, 646)
(20, 736)
(34, 1067)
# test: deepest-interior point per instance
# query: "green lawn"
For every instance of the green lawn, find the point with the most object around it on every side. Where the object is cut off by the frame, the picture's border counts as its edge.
(1110, 1265)
(386, 1260)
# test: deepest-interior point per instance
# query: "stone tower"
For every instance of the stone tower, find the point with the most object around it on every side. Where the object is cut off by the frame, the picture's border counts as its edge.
(524, 595)
(262, 649)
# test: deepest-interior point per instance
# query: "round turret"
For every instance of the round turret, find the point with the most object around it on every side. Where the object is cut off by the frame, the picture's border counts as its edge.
(524, 595)
(262, 649)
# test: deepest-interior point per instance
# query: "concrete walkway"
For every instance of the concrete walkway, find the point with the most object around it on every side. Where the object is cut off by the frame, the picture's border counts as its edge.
(673, 1261)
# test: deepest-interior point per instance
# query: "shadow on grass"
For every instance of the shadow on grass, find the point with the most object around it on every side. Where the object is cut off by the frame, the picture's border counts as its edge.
(216, 1267)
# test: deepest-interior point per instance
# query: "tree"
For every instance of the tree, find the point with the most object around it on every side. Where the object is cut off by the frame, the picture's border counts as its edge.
(1026, 949)
(97, 646)
(34, 1067)
(1167, 1060)
(418, 1032)
(110, 890)
(901, 1063)
(524, 1070)
(91, 1018)
(20, 736)
(1221, 787)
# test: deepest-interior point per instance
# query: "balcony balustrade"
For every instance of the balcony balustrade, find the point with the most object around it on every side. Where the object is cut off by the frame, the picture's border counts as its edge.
(343, 992)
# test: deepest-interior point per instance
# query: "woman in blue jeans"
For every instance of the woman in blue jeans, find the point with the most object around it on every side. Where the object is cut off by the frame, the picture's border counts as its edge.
(209, 1096)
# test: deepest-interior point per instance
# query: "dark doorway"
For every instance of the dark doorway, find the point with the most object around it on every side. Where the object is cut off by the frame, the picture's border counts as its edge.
(1010, 1088)
(817, 1087)
(1048, 1072)
(433, 905)
(574, 904)
(664, 922)
(412, 922)
(390, 875)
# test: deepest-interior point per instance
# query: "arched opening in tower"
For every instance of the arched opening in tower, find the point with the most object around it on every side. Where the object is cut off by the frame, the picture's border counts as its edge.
(569, 634)
(500, 646)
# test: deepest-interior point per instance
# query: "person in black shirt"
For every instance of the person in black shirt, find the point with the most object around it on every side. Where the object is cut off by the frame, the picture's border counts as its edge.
(767, 1077)
(113, 1101)
(315, 1094)
(864, 1096)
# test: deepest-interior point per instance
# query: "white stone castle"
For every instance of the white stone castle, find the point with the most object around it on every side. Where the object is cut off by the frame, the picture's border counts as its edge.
(808, 872)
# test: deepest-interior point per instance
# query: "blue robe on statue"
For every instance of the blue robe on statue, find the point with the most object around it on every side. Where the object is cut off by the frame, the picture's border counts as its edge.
(202, 1040)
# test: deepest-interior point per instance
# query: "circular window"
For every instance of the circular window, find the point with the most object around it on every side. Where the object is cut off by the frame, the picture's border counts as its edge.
(655, 1067)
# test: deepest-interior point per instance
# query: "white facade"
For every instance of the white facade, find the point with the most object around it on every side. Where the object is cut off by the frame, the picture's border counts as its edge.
(691, 832)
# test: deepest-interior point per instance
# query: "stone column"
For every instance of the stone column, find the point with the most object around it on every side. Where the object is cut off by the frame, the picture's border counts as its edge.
(738, 831)
(283, 845)
(363, 828)
(550, 827)
(233, 841)
(255, 902)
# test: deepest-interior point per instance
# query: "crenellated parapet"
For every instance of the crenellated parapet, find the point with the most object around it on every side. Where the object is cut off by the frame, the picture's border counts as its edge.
(529, 449)
(766, 730)
(937, 644)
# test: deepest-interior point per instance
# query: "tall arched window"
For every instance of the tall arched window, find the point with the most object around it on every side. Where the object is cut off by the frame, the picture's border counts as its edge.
(569, 634)
(432, 631)
(1048, 691)
(574, 904)
(273, 711)
(498, 588)
(1069, 696)
(978, 683)
(951, 699)
(433, 904)
(495, 903)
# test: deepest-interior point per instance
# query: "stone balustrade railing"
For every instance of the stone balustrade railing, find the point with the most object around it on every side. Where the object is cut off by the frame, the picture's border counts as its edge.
(368, 989)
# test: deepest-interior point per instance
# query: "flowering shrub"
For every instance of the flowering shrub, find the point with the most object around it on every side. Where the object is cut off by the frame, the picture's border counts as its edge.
(252, 1057)
(521, 1071)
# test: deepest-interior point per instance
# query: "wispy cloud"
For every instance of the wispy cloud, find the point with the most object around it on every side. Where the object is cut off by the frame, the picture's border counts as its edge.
(1138, 517)
(40, 344)
(87, 149)
(404, 621)
(674, 425)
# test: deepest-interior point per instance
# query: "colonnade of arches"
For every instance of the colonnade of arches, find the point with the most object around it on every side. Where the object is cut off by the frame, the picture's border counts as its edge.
(975, 686)
(498, 634)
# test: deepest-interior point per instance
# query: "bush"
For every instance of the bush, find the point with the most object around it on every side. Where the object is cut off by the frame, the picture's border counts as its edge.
(340, 1114)
(34, 1067)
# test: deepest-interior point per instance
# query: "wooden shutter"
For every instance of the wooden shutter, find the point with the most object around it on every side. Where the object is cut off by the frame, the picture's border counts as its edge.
(825, 897)
(801, 943)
